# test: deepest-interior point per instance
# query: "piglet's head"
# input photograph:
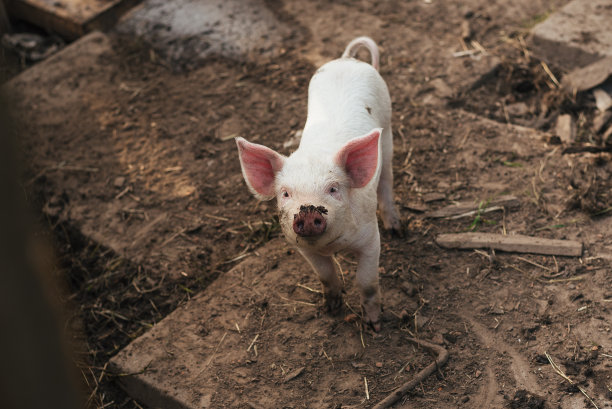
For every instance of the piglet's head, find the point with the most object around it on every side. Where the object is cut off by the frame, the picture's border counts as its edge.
(313, 188)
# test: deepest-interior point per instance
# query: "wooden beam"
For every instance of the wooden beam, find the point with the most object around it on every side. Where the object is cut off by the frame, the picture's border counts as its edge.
(70, 19)
(514, 243)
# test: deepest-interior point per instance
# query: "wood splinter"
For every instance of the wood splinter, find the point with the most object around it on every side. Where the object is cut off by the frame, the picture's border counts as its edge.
(512, 243)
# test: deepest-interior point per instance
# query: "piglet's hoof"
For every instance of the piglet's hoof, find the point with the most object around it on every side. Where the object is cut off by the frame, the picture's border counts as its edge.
(333, 304)
(372, 316)
(397, 233)
(375, 325)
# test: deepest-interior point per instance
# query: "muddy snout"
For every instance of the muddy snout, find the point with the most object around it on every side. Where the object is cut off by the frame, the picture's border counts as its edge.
(310, 221)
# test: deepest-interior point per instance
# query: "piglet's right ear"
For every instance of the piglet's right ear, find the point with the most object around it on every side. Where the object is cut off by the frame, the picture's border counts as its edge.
(359, 158)
(259, 167)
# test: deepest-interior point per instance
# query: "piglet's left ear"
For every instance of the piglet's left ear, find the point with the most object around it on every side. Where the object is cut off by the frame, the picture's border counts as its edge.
(359, 158)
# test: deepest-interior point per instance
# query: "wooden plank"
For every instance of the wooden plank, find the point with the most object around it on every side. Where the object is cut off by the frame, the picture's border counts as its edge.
(469, 209)
(514, 243)
(70, 18)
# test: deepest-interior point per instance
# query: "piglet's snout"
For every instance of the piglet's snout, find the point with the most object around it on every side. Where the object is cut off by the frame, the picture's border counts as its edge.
(310, 221)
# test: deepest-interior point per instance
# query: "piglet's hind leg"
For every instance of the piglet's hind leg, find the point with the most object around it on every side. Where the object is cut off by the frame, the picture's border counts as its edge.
(388, 212)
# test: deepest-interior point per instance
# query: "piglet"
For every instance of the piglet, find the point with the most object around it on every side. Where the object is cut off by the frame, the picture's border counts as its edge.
(327, 189)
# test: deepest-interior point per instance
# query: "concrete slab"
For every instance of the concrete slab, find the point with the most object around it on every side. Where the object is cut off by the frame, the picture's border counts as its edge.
(75, 60)
(188, 31)
(576, 35)
(255, 338)
(82, 134)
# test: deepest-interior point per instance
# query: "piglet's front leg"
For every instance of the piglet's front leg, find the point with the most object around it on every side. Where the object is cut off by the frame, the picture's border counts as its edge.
(326, 269)
(367, 279)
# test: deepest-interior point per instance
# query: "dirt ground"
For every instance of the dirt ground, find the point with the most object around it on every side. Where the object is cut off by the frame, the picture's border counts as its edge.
(165, 212)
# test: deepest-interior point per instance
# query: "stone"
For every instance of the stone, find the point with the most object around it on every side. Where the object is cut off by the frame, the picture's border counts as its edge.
(607, 136)
(517, 109)
(600, 121)
(589, 76)
(603, 96)
(438, 338)
(119, 181)
(566, 128)
(576, 35)
(441, 88)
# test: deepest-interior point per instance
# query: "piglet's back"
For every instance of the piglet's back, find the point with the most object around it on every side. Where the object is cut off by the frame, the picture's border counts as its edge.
(346, 99)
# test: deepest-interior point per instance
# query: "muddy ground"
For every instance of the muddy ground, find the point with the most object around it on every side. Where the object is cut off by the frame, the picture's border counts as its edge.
(160, 140)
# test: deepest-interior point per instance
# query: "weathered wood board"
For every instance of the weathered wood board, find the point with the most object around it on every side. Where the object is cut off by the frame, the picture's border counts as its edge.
(70, 18)
(512, 243)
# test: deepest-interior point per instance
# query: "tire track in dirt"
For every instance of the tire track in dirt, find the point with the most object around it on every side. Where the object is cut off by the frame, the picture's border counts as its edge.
(519, 369)
(487, 395)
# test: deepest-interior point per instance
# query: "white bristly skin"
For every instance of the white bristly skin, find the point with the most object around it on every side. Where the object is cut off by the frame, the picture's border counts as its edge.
(348, 100)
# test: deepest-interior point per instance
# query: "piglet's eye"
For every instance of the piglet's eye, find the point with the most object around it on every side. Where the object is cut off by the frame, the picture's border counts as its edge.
(333, 189)
(285, 193)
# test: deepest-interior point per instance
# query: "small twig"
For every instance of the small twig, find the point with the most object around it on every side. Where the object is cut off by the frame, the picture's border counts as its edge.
(361, 335)
(123, 192)
(479, 47)
(533, 263)
(506, 115)
(564, 376)
(465, 53)
(212, 216)
(312, 290)
(213, 354)
(329, 359)
(464, 140)
(172, 237)
(239, 257)
(103, 372)
(351, 309)
(550, 74)
(252, 342)
(424, 373)
(478, 211)
(340, 270)
(297, 301)
(365, 382)
(563, 280)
